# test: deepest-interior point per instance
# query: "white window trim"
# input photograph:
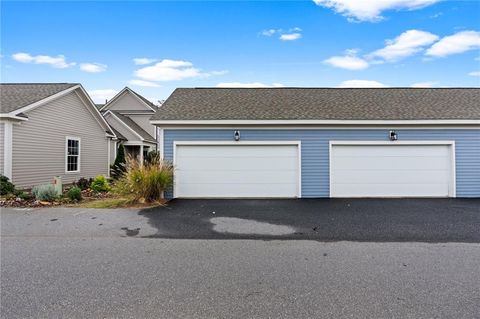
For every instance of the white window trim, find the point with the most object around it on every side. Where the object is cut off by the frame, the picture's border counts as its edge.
(79, 153)
(208, 143)
(452, 190)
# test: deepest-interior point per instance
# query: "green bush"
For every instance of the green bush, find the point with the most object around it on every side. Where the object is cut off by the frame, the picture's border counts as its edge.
(74, 193)
(145, 182)
(100, 184)
(118, 168)
(6, 187)
(45, 192)
(25, 195)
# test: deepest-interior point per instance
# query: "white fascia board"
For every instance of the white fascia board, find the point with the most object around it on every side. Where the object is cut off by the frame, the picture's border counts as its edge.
(125, 124)
(317, 122)
(95, 112)
(7, 117)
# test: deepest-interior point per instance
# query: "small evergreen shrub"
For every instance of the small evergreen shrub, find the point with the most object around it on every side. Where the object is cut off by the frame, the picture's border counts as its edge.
(25, 195)
(84, 183)
(6, 187)
(118, 168)
(45, 192)
(74, 193)
(100, 184)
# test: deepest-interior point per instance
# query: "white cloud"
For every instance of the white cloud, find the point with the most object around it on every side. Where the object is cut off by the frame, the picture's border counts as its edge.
(290, 36)
(371, 10)
(349, 61)
(269, 32)
(99, 96)
(143, 83)
(457, 43)
(173, 70)
(93, 67)
(361, 84)
(168, 70)
(424, 85)
(143, 61)
(248, 85)
(406, 44)
(474, 73)
(56, 62)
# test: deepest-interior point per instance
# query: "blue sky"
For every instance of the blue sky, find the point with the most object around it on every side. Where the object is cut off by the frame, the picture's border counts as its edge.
(156, 46)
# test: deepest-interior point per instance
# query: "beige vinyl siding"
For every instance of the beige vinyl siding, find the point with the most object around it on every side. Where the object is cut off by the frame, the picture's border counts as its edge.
(127, 101)
(39, 143)
(2, 147)
(121, 128)
(144, 122)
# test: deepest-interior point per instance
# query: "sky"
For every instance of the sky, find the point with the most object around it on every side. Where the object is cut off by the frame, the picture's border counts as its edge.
(154, 47)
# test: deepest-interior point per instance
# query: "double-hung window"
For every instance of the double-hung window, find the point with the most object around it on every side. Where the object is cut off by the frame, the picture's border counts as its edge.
(72, 158)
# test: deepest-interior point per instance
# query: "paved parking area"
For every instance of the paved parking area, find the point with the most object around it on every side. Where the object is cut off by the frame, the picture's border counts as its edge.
(373, 220)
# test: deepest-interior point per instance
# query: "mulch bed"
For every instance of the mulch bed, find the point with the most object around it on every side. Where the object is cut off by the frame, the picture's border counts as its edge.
(87, 195)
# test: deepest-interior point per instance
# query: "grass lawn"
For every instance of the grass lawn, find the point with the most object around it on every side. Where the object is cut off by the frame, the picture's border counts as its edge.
(115, 203)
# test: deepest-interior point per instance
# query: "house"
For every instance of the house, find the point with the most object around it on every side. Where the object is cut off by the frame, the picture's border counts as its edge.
(51, 129)
(322, 142)
(129, 113)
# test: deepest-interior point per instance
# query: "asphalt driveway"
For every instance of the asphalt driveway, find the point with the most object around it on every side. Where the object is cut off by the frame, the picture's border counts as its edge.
(372, 220)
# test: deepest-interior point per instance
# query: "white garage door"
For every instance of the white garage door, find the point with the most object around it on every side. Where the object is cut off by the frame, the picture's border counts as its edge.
(391, 171)
(236, 171)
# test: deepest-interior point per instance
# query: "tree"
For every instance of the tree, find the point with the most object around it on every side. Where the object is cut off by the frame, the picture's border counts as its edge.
(119, 167)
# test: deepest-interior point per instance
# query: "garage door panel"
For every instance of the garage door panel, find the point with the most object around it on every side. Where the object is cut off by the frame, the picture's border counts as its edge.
(389, 190)
(390, 170)
(392, 151)
(392, 163)
(243, 163)
(237, 170)
(388, 176)
(238, 176)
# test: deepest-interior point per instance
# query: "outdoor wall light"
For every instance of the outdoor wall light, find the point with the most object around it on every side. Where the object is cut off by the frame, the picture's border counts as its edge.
(236, 136)
(393, 136)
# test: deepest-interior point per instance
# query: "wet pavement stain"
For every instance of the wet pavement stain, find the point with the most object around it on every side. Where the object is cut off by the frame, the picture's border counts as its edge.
(53, 219)
(131, 232)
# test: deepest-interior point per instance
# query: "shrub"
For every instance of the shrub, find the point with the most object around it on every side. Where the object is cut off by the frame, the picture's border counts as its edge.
(83, 183)
(145, 182)
(100, 184)
(25, 195)
(6, 187)
(74, 193)
(44, 192)
(152, 158)
(118, 168)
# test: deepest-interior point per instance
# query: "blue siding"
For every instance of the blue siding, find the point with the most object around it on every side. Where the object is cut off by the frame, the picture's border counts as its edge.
(315, 148)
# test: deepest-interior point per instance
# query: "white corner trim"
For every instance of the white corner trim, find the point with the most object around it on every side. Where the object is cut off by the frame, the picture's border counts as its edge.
(109, 142)
(8, 149)
(161, 142)
(207, 143)
(45, 100)
(452, 191)
(79, 153)
(125, 124)
(316, 122)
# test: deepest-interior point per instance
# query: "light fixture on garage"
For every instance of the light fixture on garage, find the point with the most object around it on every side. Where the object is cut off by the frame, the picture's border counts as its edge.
(393, 136)
(236, 136)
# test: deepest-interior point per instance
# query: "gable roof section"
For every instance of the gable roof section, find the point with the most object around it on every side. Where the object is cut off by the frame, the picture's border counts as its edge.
(133, 126)
(14, 96)
(149, 105)
(17, 98)
(303, 105)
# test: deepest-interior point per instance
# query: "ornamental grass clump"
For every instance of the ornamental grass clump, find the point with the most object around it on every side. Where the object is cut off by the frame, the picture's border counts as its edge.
(145, 183)
(45, 192)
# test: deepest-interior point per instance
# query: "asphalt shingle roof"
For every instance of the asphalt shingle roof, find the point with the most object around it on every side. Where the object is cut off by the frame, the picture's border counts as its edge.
(321, 104)
(14, 96)
(134, 126)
